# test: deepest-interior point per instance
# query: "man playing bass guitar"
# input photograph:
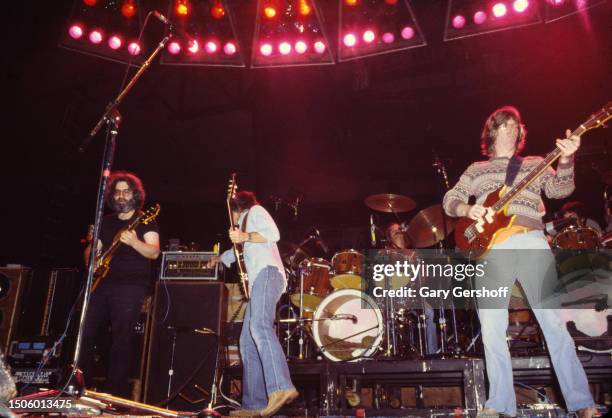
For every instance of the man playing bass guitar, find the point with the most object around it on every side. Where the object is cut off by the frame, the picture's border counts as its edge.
(502, 138)
(118, 298)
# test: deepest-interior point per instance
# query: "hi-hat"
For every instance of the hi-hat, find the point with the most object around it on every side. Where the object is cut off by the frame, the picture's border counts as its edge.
(390, 203)
(427, 227)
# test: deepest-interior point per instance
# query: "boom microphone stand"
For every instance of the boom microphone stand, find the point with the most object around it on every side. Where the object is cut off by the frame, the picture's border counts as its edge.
(111, 118)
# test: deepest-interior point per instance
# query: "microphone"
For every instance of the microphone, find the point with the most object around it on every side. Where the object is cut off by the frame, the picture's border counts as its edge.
(161, 18)
(552, 227)
(372, 231)
(324, 247)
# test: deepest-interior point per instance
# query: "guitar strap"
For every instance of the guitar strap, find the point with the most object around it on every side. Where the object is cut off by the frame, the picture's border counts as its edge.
(514, 166)
(244, 221)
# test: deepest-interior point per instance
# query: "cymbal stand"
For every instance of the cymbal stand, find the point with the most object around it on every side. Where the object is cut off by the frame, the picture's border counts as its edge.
(300, 321)
(391, 349)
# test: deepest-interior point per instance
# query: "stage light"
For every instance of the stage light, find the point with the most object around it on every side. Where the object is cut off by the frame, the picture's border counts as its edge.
(269, 12)
(128, 9)
(230, 48)
(499, 10)
(391, 2)
(407, 32)
(182, 8)
(134, 48)
(211, 47)
(319, 47)
(75, 31)
(95, 36)
(458, 22)
(174, 47)
(284, 48)
(266, 50)
(304, 8)
(115, 42)
(520, 5)
(300, 47)
(369, 36)
(556, 2)
(480, 17)
(388, 37)
(217, 11)
(350, 40)
(350, 2)
(90, 2)
(193, 46)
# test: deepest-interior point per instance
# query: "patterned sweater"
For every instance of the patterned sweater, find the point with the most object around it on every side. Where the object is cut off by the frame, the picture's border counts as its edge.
(484, 177)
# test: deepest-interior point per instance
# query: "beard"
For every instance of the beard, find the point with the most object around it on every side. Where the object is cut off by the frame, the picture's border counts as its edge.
(123, 205)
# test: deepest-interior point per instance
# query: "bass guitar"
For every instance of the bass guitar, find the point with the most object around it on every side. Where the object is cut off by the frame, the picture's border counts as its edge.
(475, 238)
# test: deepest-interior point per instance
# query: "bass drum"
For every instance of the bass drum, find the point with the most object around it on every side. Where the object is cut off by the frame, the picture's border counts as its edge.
(348, 325)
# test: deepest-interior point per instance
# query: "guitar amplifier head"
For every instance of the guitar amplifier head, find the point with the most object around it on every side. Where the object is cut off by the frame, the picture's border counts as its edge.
(188, 265)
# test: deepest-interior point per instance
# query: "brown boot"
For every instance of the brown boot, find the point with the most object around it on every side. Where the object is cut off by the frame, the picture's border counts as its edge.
(245, 413)
(487, 413)
(588, 412)
(277, 399)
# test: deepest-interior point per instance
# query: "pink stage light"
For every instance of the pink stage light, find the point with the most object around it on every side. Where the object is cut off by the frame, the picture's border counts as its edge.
(230, 48)
(211, 47)
(95, 36)
(174, 48)
(407, 32)
(520, 5)
(300, 47)
(499, 10)
(369, 36)
(556, 2)
(458, 22)
(480, 17)
(193, 46)
(134, 48)
(388, 37)
(350, 40)
(284, 48)
(75, 31)
(266, 50)
(319, 47)
(115, 42)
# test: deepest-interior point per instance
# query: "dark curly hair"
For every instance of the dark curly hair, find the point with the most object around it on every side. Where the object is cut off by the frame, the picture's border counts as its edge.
(492, 124)
(133, 182)
(243, 200)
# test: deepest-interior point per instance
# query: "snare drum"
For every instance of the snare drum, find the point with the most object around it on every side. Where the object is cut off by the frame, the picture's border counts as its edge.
(347, 266)
(576, 238)
(315, 273)
(348, 325)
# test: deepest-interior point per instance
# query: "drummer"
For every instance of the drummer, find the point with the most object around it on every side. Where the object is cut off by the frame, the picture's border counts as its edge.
(577, 211)
(398, 239)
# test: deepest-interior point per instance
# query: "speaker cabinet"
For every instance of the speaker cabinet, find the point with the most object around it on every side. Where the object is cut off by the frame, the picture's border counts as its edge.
(12, 281)
(186, 330)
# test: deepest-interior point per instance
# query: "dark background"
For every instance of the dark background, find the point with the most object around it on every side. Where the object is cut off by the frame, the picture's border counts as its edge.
(333, 134)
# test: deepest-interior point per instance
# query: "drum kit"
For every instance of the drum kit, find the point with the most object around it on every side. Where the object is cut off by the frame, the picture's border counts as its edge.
(330, 314)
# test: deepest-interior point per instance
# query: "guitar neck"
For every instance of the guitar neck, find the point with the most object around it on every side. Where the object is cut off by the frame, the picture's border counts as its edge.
(536, 172)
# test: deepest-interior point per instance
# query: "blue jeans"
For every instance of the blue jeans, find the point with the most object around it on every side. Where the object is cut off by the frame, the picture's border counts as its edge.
(532, 266)
(263, 361)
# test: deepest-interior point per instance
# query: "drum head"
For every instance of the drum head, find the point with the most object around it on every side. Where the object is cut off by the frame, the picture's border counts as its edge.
(348, 325)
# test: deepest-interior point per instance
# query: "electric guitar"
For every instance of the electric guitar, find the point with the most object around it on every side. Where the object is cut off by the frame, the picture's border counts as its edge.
(102, 266)
(238, 247)
(475, 238)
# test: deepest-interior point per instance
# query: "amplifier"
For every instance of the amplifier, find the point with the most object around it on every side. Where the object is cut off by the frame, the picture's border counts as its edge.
(29, 352)
(188, 265)
(35, 376)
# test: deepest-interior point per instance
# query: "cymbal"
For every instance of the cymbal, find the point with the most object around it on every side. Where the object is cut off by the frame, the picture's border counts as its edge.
(389, 202)
(427, 227)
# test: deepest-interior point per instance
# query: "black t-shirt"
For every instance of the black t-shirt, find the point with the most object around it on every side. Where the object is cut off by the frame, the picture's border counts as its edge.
(128, 266)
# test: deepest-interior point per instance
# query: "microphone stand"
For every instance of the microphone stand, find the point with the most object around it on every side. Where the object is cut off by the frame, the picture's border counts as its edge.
(111, 118)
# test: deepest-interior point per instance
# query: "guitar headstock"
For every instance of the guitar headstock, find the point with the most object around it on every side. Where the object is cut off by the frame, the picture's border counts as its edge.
(232, 187)
(598, 119)
(150, 214)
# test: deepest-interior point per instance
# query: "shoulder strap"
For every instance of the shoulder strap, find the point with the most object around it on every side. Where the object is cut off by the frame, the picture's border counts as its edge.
(514, 165)
(244, 221)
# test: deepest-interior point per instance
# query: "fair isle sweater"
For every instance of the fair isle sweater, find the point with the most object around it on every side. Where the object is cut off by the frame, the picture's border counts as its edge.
(484, 177)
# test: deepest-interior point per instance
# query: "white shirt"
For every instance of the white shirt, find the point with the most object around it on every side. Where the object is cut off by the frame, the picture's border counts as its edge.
(258, 256)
